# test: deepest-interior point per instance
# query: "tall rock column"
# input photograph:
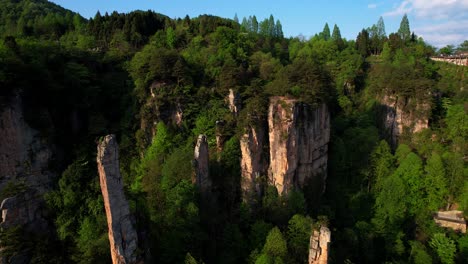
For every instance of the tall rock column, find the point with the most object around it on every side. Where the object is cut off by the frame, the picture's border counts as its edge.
(299, 136)
(319, 246)
(122, 234)
(253, 164)
(201, 160)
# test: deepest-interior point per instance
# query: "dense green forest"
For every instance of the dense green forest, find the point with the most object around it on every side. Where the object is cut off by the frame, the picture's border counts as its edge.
(127, 73)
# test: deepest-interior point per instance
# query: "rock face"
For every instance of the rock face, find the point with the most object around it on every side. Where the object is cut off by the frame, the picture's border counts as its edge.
(122, 234)
(26, 209)
(24, 154)
(253, 163)
(319, 246)
(299, 136)
(451, 219)
(398, 119)
(201, 160)
(234, 101)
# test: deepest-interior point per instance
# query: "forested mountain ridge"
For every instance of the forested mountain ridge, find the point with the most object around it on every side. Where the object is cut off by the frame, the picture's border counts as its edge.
(367, 137)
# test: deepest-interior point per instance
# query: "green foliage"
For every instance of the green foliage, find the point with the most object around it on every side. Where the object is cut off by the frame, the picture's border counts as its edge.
(435, 183)
(404, 30)
(80, 215)
(275, 246)
(419, 254)
(444, 247)
(298, 235)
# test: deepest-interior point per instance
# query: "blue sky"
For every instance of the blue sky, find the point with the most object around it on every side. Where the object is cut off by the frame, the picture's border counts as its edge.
(439, 22)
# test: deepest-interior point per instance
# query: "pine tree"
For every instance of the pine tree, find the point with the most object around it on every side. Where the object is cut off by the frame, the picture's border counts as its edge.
(244, 25)
(326, 32)
(254, 24)
(362, 43)
(236, 19)
(404, 30)
(271, 26)
(336, 35)
(278, 29)
(381, 29)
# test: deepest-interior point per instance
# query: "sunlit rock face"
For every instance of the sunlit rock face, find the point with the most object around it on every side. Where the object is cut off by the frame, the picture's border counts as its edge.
(122, 234)
(253, 163)
(401, 115)
(319, 246)
(298, 136)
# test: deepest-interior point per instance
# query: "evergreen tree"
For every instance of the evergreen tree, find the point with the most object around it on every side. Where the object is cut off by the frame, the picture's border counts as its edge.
(381, 29)
(244, 25)
(271, 26)
(278, 29)
(362, 43)
(336, 35)
(254, 24)
(236, 19)
(404, 30)
(326, 32)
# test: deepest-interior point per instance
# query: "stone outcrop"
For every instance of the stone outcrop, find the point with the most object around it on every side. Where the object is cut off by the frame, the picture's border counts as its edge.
(451, 219)
(25, 209)
(298, 136)
(398, 118)
(201, 161)
(24, 154)
(122, 234)
(253, 163)
(234, 101)
(319, 246)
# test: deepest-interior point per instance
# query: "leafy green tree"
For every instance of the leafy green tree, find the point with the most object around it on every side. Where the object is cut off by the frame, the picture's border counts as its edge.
(447, 50)
(298, 235)
(275, 249)
(444, 247)
(382, 162)
(419, 254)
(463, 47)
(435, 183)
(404, 30)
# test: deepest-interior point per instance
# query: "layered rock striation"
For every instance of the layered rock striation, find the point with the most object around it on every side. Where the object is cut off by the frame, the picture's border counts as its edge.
(122, 234)
(298, 136)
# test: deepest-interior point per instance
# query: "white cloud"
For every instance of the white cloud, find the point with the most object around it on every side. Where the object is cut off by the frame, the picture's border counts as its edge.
(440, 22)
(403, 8)
(443, 34)
(372, 6)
